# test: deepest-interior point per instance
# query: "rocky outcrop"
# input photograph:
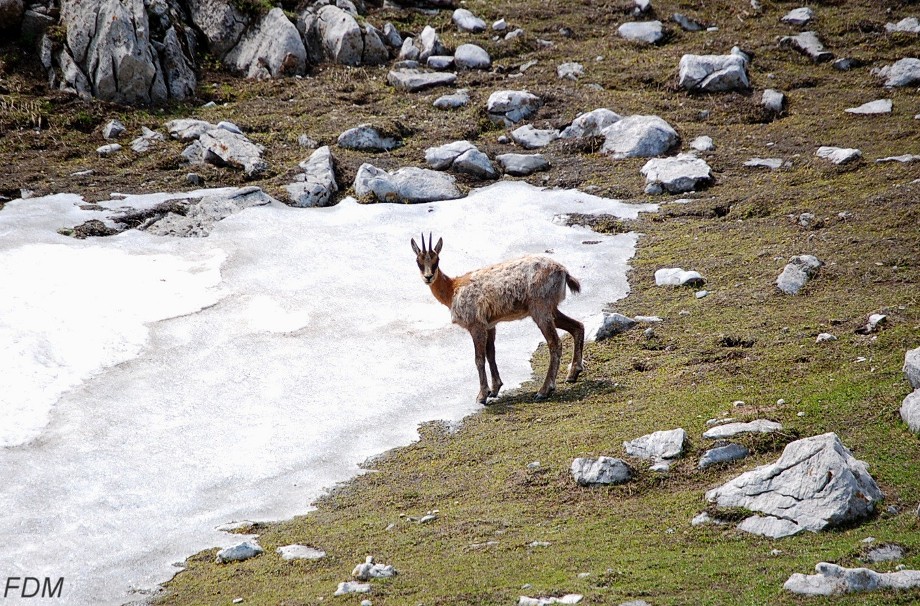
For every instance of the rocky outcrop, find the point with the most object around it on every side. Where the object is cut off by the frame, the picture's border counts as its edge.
(271, 49)
(197, 222)
(316, 185)
(831, 579)
(815, 484)
(221, 23)
(639, 137)
(331, 33)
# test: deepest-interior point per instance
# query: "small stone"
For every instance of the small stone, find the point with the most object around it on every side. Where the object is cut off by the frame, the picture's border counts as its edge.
(839, 155)
(601, 470)
(570, 71)
(500, 25)
(773, 101)
(776, 552)
(366, 603)
(415, 80)
(352, 587)
(703, 143)
(194, 179)
(903, 158)
(613, 324)
(905, 72)
(731, 430)
(371, 570)
(678, 174)
(723, 454)
(529, 137)
(686, 23)
(468, 22)
(799, 16)
(658, 446)
(701, 294)
(845, 64)
(113, 129)
(648, 32)
(675, 276)
(107, 150)
(520, 165)
(300, 552)
(459, 99)
(512, 35)
(885, 553)
(809, 44)
(771, 163)
(509, 107)
(440, 62)
(237, 553)
(910, 25)
(307, 142)
(471, 56)
(367, 138)
(879, 106)
(230, 126)
(237, 600)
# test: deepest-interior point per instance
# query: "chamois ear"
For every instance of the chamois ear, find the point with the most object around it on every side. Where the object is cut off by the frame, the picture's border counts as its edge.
(437, 247)
(415, 247)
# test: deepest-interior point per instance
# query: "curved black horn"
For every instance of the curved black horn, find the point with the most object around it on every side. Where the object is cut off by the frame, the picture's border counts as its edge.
(429, 241)
(423, 241)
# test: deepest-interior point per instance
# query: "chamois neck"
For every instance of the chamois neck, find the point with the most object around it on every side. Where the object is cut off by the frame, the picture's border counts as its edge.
(443, 288)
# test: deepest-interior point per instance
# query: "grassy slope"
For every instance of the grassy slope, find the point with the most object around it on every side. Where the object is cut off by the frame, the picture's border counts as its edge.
(634, 540)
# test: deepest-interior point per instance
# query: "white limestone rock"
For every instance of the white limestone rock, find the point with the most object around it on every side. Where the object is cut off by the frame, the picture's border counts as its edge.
(732, 430)
(146, 140)
(838, 155)
(316, 186)
(113, 129)
(910, 411)
(815, 484)
(475, 163)
(271, 49)
(648, 32)
(675, 276)
(831, 579)
(366, 137)
(912, 367)
(686, 23)
(300, 552)
(799, 16)
(187, 129)
(808, 44)
(371, 570)
(703, 143)
(440, 62)
(773, 101)
(879, 106)
(441, 157)
(797, 273)
(723, 454)
(714, 73)
(590, 124)
(430, 44)
(678, 174)
(199, 218)
(224, 148)
(238, 553)
(472, 56)
(571, 598)
(905, 72)
(414, 80)
(348, 587)
(407, 185)
(639, 136)
(658, 446)
(771, 163)
(521, 165)
(529, 137)
(456, 100)
(468, 22)
(910, 25)
(570, 71)
(107, 150)
(613, 324)
(508, 107)
(602, 470)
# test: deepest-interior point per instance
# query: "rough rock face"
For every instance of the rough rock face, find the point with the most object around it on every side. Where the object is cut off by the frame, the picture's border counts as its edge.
(365, 137)
(414, 80)
(111, 54)
(723, 454)
(613, 324)
(199, 219)
(816, 483)
(905, 72)
(243, 551)
(529, 137)
(809, 44)
(714, 73)
(590, 124)
(408, 185)
(511, 106)
(224, 148)
(797, 273)
(602, 470)
(221, 23)
(658, 445)
(832, 579)
(910, 410)
(333, 34)
(639, 137)
(682, 173)
(731, 430)
(316, 186)
(912, 367)
(271, 49)
(521, 165)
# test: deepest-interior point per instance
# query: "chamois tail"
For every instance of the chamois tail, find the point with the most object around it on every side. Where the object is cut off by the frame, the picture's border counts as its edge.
(573, 283)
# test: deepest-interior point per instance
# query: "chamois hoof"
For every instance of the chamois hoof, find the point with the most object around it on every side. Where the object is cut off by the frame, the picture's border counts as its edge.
(573, 374)
(494, 392)
(481, 399)
(543, 396)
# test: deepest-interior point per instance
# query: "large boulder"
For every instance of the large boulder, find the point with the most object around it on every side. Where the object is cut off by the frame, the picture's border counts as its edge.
(407, 185)
(316, 185)
(332, 33)
(905, 72)
(714, 73)
(912, 367)
(221, 23)
(815, 484)
(639, 137)
(509, 107)
(682, 173)
(832, 579)
(271, 49)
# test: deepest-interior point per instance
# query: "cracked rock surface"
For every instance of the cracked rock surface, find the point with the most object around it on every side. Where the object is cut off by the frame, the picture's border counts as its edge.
(832, 579)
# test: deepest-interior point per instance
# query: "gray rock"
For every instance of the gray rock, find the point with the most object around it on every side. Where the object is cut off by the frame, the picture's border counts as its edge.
(912, 367)
(187, 129)
(317, 184)
(459, 99)
(408, 185)
(475, 163)
(500, 25)
(613, 324)
(909, 25)
(678, 174)
(194, 153)
(713, 73)
(468, 22)
(375, 47)
(845, 64)
(521, 165)
(224, 148)
(872, 325)
(238, 553)
(723, 454)
(230, 126)
(11, 12)
(146, 140)
(572, 598)
(371, 570)
(905, 72)
(300, 552)
(703, 143)
(675, 276)
(430, 44)
(799, 16)
(808, 44)
(408, 51)
(347, 587)
(441, 158)
(910, 411)
(657, 446)
(733, 430)
(686, 23)
(307, 142)
(590, 124)
(440, 62)
(113, 129)
(832, 579)
(414, 80)
(107, 150)
(529, 137)
(649, 32)
(838, 155)
(771, 163)
(885, 553)
(815, 484)
(570, 71)
(365, 137)
(392, 36)
(471, 56)
(879, 106)
(221, 23)
(704, 519)
(602, 470)
(199, 219)
(797, 273)
(769, 526)
(271, 49)
(904, 158)
(509, 107)
(514, 34)
(825, 337)
(194, 179)
(639, 136)
(333, 34)
(773, 101)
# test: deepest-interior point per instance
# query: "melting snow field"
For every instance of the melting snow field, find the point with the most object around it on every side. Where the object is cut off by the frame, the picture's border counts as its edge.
(154, 388)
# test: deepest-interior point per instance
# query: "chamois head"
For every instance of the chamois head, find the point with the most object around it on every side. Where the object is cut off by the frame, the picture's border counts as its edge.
(427, 258)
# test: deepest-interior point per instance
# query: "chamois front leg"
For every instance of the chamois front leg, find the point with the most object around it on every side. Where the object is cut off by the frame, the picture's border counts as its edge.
(548, 328)
(480, 336)
(493, 367)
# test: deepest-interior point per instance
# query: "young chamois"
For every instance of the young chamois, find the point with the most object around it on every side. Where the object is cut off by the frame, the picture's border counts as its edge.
(530, 286)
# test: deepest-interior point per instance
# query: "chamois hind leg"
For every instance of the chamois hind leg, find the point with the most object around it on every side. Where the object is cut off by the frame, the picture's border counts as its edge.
(577, 330)
(480, 336)
(548, 328)
(493, 367)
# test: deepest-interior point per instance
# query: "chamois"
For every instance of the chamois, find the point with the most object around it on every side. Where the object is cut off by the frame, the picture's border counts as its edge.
(530, 286)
